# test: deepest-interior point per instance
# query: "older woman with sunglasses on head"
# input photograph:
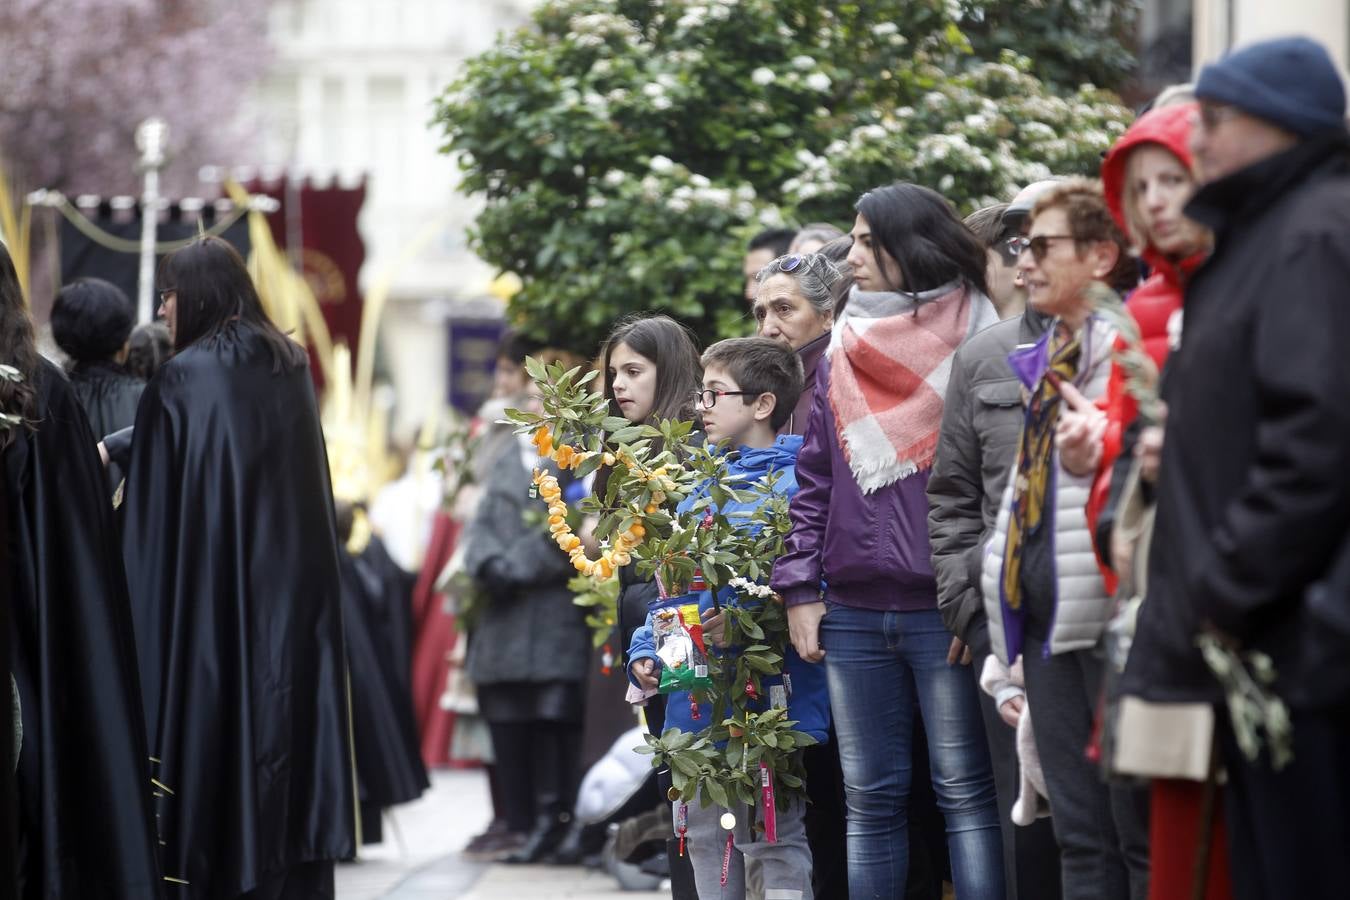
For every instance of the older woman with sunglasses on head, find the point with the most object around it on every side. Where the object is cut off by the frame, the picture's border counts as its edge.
(795, 304)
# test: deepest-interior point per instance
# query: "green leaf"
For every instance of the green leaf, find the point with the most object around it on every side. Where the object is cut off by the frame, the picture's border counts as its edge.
(685, 765)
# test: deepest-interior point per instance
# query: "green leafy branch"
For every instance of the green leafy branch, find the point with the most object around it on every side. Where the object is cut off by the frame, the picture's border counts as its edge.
(1141, 373)
(1255, 710)
(650, 470)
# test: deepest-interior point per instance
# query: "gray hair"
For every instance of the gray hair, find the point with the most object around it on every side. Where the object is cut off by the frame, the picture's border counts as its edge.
(822, 232)
(814, 274)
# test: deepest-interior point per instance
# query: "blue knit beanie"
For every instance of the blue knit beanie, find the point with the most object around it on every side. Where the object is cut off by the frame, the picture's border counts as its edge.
(1289, 82)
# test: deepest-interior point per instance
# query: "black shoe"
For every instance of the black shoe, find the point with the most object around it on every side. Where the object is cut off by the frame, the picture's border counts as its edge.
(581, 843)
(549, 831)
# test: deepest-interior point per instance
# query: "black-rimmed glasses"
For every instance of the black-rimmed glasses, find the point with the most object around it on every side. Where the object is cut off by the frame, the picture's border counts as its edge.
(708, 398)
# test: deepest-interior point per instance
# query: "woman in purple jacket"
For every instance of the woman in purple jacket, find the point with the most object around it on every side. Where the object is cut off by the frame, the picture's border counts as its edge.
(857, 575)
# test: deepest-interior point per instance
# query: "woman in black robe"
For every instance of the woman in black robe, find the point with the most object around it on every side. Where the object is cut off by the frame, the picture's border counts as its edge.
(231, 558)
(85, 826)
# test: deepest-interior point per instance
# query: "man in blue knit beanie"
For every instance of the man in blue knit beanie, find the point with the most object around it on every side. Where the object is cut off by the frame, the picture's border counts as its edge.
(1262, 99)
(1253, 499)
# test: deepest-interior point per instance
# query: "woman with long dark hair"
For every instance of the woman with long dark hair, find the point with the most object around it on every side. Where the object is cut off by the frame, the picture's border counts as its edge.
(231, 557)
(859, 525)
(650, 370)
(84, 820)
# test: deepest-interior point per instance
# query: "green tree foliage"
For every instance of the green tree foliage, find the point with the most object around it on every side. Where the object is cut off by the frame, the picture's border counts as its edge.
(627, 148)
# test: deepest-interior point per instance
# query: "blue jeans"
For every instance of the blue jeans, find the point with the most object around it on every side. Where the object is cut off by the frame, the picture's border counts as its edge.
(882, 667)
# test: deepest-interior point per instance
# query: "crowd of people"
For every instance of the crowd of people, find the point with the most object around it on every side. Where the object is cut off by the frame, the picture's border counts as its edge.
(979, 455)
(999, 515)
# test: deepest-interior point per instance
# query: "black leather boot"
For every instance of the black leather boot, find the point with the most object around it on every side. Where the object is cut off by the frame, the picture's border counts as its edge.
(548, 832)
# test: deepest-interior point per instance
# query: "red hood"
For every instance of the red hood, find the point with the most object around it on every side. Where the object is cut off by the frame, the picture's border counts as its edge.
(1170, 127)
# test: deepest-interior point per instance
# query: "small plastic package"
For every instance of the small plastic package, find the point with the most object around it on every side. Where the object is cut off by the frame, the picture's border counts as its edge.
(678, 632)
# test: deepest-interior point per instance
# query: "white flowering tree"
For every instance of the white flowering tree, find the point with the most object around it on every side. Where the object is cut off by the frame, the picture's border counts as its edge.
(977, 136)
(626, 148)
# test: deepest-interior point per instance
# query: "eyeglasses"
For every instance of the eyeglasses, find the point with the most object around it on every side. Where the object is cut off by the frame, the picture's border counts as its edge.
(1038, 245)
(165, 292)
(1212, 115)
(708, 398)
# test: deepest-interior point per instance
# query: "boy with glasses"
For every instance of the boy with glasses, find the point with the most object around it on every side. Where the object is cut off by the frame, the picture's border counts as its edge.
(750, 386)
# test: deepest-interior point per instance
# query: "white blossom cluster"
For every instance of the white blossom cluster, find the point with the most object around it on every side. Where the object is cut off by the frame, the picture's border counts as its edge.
(595, 29)
(679, 190)
(754, 589)
(696, 15)
(961, 130)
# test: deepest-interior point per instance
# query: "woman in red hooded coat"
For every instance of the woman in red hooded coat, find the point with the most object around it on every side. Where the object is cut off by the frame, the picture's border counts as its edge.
(1148, 179)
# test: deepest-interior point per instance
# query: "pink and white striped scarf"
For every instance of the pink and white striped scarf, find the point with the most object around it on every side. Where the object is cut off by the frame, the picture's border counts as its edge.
(890, 358)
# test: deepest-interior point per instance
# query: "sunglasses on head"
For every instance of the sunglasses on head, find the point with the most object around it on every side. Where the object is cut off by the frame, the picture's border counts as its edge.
(794, 261)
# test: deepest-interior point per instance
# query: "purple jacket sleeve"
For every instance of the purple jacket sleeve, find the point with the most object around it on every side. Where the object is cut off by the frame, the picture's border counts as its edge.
(797, 573)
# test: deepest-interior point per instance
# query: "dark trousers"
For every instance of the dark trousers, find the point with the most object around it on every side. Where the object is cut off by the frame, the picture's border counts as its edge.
(826, 820)
(1289, 831)
(1102, 830)
(537, 769)
(1030, 854)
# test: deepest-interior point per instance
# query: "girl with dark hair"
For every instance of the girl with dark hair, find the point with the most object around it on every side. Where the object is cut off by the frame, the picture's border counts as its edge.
(651, 371)
(859, 525)
(84, 819)
(231, 556)
(91, 322)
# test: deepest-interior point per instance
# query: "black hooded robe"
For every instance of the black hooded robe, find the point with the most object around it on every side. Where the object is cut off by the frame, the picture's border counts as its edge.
(231, 557)
(376, 609)
(86, 826)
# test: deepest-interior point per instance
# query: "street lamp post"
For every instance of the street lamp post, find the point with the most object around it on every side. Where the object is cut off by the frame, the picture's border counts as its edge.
(152, 138)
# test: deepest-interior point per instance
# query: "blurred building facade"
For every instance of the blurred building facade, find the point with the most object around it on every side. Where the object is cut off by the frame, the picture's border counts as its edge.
(349, 94)
(1223, 24)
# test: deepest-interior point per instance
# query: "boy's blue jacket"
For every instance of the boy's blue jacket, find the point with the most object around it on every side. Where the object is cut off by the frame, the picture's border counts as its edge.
(808, 702)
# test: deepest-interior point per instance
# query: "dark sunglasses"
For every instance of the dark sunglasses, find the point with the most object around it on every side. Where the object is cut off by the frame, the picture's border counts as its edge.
(1038, 245)
(794, 261)
(1007, 253)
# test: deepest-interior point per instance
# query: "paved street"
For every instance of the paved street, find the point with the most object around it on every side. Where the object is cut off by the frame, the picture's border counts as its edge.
(425, 864)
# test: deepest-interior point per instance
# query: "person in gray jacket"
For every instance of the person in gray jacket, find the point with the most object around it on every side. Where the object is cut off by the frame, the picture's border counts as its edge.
(1044, 597)
(976, 449)
(527, 654)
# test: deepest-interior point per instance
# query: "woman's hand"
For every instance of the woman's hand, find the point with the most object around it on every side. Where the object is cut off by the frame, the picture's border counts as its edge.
(587, 534)
(644, 673)
(1078, 436)
(714, 628)
(804, 628)
(1122, 554)
(1011, 710)
(958, 652)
